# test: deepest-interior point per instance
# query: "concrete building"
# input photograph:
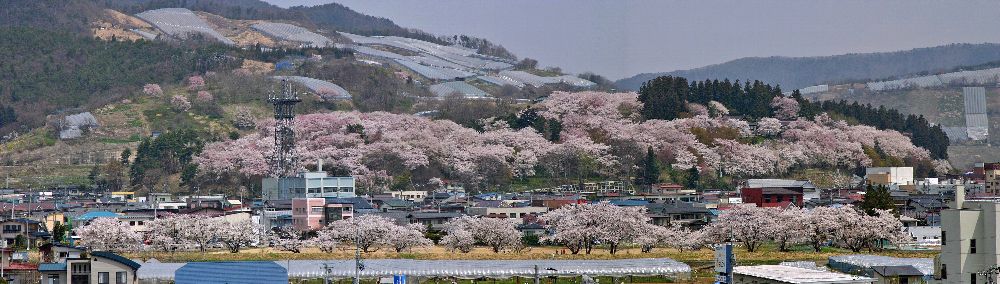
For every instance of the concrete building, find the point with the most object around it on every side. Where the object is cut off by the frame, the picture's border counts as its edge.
(768, 274)
(505, 212)
(308, 185)
(991, 174)
(411, 195)
(889, 175)
(775, 192)
(969, 240)
(315, 213)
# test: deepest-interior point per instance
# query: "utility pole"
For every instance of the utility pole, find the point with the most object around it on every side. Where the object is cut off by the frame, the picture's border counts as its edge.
(358, 265)
(537, 280)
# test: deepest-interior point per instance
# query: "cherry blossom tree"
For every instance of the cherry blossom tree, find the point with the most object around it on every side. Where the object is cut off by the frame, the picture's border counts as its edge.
(744, 223)
(458, 239)
(580, 226)
(239, 234)
(789, 230)
(408, 237)
(165, 233)
(287, 239)
(819, 225)
(204, 97)
(195, 82)
(180, 103)
(498, 234)
(152, 90)
(717, 109)
(200, 230)
(371, 233)
(108, 234)
(785, 108)
(768, 127)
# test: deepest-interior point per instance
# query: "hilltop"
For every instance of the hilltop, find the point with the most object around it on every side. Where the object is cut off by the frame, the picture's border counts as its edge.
(798, 72)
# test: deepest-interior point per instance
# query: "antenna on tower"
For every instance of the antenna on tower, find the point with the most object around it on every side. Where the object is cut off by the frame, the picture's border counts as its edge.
(284, 159)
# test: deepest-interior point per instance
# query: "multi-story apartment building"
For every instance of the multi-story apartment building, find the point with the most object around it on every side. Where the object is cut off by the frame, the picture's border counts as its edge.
(969, 243)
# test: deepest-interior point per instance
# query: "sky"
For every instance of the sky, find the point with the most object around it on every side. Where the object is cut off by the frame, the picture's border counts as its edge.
(619, 38)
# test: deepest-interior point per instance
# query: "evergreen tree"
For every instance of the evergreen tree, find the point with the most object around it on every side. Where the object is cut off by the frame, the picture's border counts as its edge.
(693, 177)
(650, 172)
(877, 197)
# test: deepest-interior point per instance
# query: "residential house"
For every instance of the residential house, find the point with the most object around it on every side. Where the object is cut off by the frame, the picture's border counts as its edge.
(432, 219)
(925, 208)
(97, 267)
(532, 229)
(506, 212)
(678, 213)
(991, 175)
(411, 195)
(558, 201)
(969, 243)
(775, 192)
(33, 231)
(897, 274)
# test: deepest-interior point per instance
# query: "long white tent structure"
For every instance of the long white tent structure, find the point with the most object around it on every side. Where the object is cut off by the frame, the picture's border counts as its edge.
(180, 22)
(293, 33)
(339, 269)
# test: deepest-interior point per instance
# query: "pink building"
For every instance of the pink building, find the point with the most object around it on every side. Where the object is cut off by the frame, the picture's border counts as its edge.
(309, 214)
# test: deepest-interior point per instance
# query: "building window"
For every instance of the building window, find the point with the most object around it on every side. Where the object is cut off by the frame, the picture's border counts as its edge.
(972, 246)
(120, 278)
(973, 277)
(943, 239)
(944, 271)
(53, 278)
(317, 209)
(904, 280)
(103, 278)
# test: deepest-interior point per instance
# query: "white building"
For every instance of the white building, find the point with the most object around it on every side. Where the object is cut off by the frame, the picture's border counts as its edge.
(411, 195)
(969, 240)
(890, 175)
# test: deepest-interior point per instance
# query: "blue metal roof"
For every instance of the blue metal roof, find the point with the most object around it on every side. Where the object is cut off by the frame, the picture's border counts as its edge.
(117, 258)
(231, 272)
(51, 267)
(96, 214)
(629, 202)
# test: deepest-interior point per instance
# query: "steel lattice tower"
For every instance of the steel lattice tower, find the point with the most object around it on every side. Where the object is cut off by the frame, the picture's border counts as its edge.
(284, 159)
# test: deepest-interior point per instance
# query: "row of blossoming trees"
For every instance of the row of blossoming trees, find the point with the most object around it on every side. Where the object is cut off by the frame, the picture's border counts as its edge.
(599, 133)
(580, 228)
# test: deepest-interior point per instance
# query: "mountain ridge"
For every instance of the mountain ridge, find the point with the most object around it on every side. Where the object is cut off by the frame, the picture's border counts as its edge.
(798, 72)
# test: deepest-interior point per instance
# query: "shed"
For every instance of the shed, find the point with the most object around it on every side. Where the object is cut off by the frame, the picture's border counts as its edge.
(231, 272)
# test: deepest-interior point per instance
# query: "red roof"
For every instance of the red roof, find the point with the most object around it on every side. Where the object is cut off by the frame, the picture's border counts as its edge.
(22, 266)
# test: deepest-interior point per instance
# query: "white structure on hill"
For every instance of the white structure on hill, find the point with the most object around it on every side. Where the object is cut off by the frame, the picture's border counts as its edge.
(181, 22)
(445, 89)
(324, 89)
(294, 33)
(976, 123)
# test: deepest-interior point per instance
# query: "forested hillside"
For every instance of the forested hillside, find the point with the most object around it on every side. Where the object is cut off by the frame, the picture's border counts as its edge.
(666, 98)
(45, 71)
(797, 72)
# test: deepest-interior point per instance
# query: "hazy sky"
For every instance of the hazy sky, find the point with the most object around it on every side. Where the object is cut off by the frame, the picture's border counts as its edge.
(622, 38)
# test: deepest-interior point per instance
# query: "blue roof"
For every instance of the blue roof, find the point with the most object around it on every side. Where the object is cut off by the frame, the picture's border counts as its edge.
(629, 202)
(96, 214)
(231, 272)
(52, 267)
(116, 258)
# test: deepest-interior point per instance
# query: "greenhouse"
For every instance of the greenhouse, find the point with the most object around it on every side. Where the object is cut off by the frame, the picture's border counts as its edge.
(460, 269)
(862, 264)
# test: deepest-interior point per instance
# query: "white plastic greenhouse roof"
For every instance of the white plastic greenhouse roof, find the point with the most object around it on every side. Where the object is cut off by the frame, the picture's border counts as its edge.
(789, 274)
(434, 72)
(293, 33)
(180, 22)
(925, 265)
(456, 268)
(330, 90)
(462, 88)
